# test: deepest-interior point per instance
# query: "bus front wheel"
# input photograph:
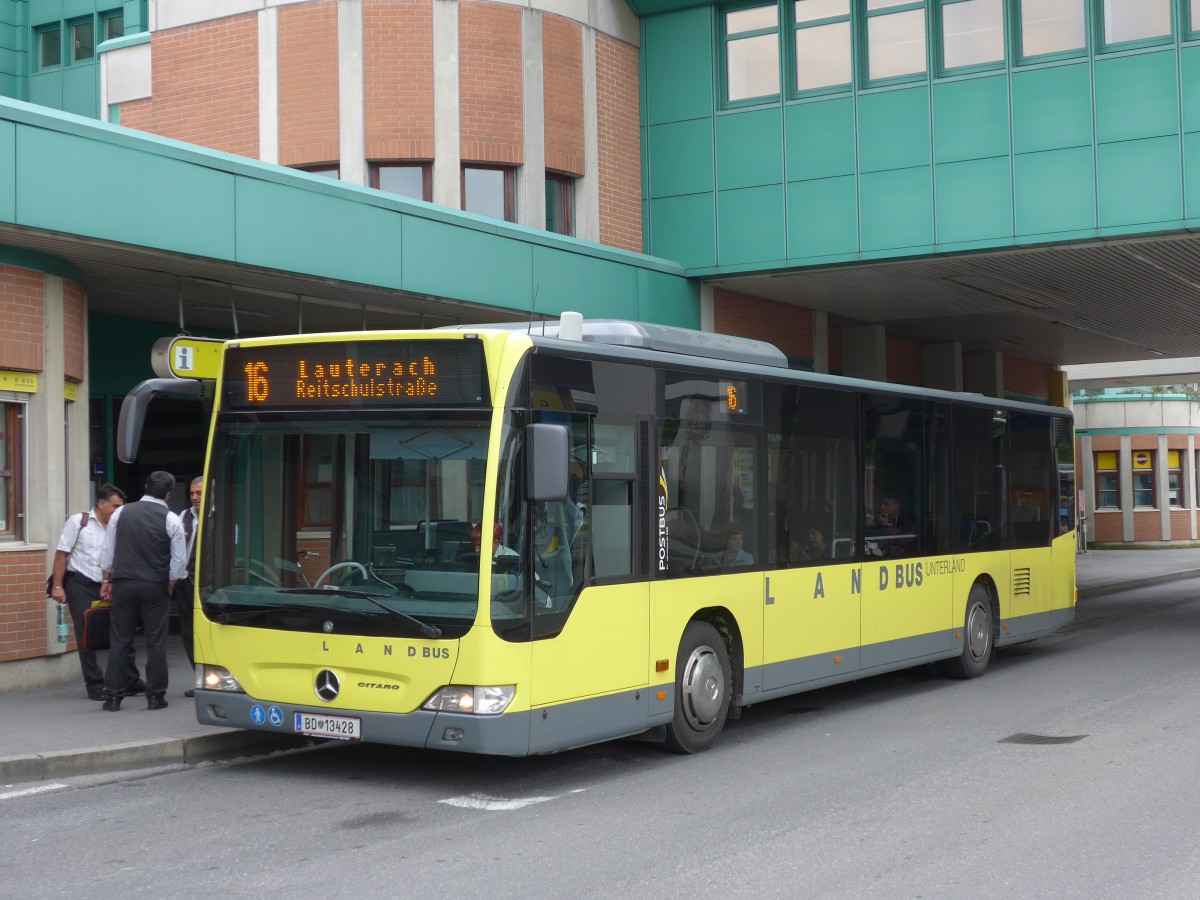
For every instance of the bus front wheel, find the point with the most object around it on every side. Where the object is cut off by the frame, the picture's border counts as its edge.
(702, 690)
(977, 637)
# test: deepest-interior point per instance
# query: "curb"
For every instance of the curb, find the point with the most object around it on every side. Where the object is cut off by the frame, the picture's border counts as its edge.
(1103, 590)
(144, 755)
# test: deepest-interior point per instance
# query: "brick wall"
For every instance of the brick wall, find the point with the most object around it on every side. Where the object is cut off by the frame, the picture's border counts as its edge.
(1026, 378)
(491, 111)
(905, 361)
(620, 163)
(787, 327)
(562, 67)
(1143, 442)
(23, 312)
(398, 79)
(1181, 525)
(1106, 442)
(22, 605)
(74, 330)
(1147, 526)
(204, 80)
(308, 84)
(1107, 528)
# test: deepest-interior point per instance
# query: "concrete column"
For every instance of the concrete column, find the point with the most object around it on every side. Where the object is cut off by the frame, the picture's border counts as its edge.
(1125, 467)
(531, 177)
(47, 502)
(983, 372)
(864, 352)
(351, 116)
(820, 339)
(1189, 480)
(587, 188)
(708, 308)
(943, 365)
(447, 142)
(268, 84)
(1163, 495)
(1087, 474)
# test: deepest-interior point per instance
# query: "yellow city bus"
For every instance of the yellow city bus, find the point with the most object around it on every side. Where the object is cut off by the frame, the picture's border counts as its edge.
(517, 540)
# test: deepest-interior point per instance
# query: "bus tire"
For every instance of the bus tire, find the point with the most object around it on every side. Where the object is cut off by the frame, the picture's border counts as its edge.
(978, 637)
(702, 690)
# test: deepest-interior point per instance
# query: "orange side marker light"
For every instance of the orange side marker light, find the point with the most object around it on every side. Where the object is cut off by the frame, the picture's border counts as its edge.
(662, 665)
(662, 695)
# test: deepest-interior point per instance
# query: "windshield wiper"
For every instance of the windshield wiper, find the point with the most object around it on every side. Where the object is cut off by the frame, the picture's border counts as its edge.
(429, 631)
(244, 615)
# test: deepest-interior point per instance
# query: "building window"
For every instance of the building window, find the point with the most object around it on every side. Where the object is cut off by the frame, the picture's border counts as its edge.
(751, 36)
(560, 203)
(895, 39)
(114, 25)
(490, 191)
(12, 470)
(1126, 21)
(83, 40)
(1175, 492)
(325, 170)
(49, 47)
(972, 33)
(1143, 479)
(1052, 26)
(822, 44)
(406, 179)
(1107, 490)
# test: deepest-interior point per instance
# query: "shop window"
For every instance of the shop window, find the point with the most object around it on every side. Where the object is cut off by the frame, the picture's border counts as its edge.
(83, 40)
(972, 33)
(406, 179)
(821, 44)
(1129, 21)
(113, 25)
(12, 471)
(325, 170)
(1049, 27)
(490, 191)
(560, 203)
(1175, 491)
(1107, 481)
(751, 40)
(1143, 479)
(50, 47)
(895, 39)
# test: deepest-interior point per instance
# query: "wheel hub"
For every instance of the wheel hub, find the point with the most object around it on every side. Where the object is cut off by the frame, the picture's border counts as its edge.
(703, 687)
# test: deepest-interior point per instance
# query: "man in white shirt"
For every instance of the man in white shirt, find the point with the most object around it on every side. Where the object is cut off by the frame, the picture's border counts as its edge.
(185, 588)
(75, 581)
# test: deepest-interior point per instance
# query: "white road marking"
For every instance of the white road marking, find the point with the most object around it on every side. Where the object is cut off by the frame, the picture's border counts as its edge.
(40, 789)
(492, 804)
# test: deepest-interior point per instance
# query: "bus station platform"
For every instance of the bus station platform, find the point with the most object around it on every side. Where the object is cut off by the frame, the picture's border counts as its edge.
(54, 731)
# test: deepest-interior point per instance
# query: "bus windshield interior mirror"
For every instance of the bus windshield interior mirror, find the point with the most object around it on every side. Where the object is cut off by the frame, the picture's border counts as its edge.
(547, 454)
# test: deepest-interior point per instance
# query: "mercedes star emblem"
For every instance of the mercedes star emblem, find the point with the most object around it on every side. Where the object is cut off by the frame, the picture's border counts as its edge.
(327, 685)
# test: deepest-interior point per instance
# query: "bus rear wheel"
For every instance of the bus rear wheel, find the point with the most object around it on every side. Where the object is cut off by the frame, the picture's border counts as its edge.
(977, 637)
(702, 690)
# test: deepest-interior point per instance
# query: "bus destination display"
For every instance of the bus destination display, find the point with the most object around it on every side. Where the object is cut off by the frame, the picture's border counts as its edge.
(356, 375)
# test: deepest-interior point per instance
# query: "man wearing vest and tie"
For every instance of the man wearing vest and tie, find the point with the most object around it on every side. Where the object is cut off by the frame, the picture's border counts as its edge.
(185, 587)
(142, 558)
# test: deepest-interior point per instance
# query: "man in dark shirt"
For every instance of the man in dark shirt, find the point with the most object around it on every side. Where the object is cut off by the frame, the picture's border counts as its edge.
(142, 558)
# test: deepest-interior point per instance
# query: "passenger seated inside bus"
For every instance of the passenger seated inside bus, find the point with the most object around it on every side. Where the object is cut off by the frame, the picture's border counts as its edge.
(816, 542)
(734, 553)
(892, 531)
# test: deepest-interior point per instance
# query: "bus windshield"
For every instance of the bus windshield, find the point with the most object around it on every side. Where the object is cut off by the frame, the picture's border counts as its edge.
(345, 523)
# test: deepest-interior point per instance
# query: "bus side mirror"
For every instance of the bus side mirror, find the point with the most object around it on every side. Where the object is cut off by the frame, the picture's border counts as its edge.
(547, 453)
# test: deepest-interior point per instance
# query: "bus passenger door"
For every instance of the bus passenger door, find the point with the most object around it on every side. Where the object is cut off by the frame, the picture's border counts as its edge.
(594, 642)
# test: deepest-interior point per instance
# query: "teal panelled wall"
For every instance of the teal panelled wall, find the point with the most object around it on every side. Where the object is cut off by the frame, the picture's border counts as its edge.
(73, 86)
(188, 200)
(1101, 145)
(14, 48)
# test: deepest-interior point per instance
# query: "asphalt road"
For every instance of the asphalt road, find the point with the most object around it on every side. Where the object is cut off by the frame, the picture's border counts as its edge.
(898, 786)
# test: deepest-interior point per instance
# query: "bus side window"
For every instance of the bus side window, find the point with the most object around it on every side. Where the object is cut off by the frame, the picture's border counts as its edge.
(612, 527)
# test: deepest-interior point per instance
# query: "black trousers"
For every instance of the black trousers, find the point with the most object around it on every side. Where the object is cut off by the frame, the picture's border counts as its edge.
(151, 602)
(81, 593)
(183, 606)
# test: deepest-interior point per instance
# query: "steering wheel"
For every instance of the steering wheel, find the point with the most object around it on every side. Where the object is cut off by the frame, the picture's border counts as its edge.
(339, 566)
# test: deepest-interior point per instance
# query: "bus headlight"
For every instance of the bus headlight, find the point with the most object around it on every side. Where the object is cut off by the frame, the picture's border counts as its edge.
(214, 678)
(480, 701)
